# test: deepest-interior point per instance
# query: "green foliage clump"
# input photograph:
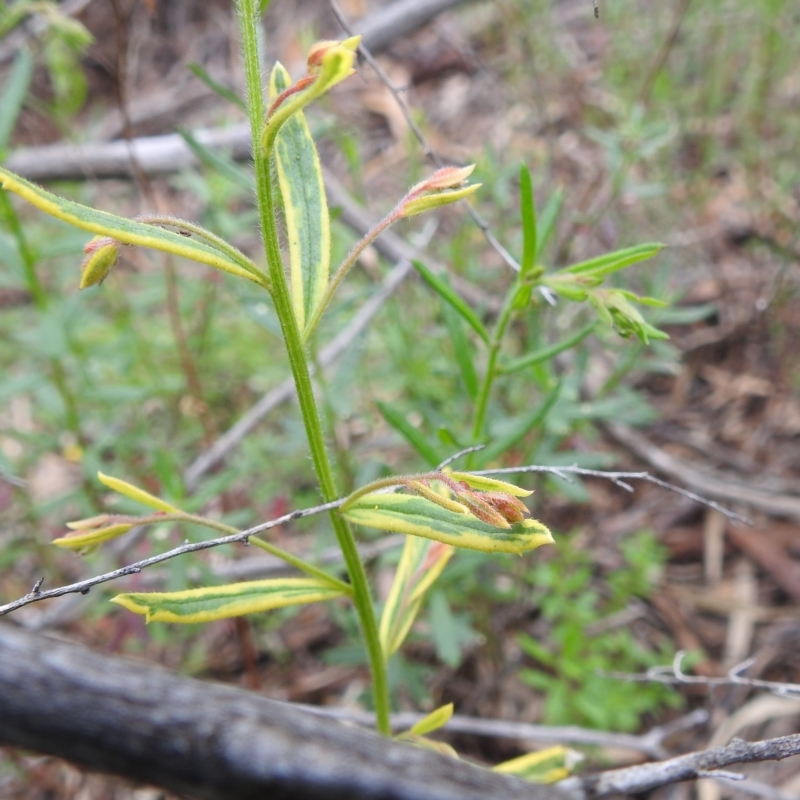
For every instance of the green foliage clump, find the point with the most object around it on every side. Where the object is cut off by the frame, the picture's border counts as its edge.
(584, 642)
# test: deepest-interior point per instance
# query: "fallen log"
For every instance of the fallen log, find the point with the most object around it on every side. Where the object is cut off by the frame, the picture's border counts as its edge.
(211, 741)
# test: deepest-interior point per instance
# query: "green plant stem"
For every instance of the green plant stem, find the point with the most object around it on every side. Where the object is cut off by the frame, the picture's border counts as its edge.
(297, 359)
(491, 365)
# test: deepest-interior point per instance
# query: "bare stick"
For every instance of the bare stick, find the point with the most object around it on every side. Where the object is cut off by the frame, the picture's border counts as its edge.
(776, 504)
(674, 675)
(645, 777)
(650, 743)
(619, 479)
(83, 587)
(209, 741)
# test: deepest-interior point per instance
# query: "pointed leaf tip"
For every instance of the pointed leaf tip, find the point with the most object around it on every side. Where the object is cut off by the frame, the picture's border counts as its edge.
(135, 493)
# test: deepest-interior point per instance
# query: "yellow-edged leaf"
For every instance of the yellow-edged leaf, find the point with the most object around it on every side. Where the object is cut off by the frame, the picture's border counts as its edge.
(419, 205)
(126, 231)
(416, 516)
(484, 484)
(333, 63)
(231, 600)
(429, 744)
(135, 493)
(76, 541)
(434, 720)
(543, 766)
(420, 565)
(305, 207)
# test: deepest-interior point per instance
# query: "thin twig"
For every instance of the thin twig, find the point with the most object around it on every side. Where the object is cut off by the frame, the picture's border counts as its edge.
(674, 675)
(427, 149)
(242, 537)
(83, 587)
(466, 451)
(775, 504)
(650, 743)
(645, 777)
(619, 479)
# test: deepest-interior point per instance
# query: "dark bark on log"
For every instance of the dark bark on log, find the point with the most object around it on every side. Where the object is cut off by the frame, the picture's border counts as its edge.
(210, 741)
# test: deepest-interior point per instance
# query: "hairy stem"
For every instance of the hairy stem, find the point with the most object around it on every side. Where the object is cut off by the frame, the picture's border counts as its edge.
(362, 598)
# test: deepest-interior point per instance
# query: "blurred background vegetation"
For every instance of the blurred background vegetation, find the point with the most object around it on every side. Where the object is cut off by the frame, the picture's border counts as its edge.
(674, 122)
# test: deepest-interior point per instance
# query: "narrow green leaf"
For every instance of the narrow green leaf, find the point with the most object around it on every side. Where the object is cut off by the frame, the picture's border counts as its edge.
(416, 516)
(224, 165)
(410, 433)
(135, 493)
(420, 565)
(13, 96)
(484, 484)
(518, 431)
(223, 91)
(222, 602)
(543, 766)
(547, 221)
(547, 353)
(528, 213)
(419, 205)
(434, 720)
(445, 291)
(461, 346)
(612, 262)
(305, 207)
(81, 539)
(128, 231)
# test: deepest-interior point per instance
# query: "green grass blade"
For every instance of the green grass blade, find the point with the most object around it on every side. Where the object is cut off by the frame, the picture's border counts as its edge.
(305, 208)
(127, 231)
(445, 291)
(546, 353)
(518, 431)
(213, 160)
(463, 353)
(223, 91)
(528, 213)
(418, 516)
(221, 602)
(613, 262)
(547, 221)
(410, 434)
(13, 96)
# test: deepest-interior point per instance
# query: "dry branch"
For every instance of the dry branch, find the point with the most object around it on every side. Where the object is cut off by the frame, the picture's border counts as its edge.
(782, 505)
(210, 741)
(645, 777)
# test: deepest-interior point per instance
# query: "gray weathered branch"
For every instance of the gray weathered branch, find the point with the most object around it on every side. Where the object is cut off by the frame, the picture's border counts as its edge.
(644, 777)
(210, 741)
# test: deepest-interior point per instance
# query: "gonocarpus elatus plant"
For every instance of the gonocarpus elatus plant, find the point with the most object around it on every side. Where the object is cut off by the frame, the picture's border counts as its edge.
(482, 513)
(437, 511)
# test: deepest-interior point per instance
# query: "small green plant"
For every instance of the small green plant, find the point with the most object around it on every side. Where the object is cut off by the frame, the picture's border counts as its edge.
(573, 610)
(439, 510)
(62, 41)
